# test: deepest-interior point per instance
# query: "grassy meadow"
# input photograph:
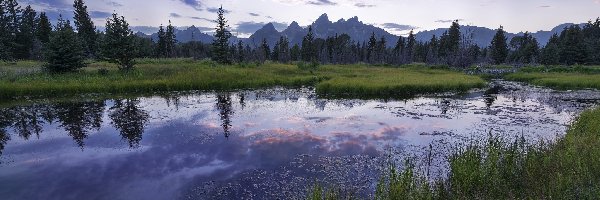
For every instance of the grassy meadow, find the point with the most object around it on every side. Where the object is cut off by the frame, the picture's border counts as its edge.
(503, 169)
(26, 78)
(577, 77)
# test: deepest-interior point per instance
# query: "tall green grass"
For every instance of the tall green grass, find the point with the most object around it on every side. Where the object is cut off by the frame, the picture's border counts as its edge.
(559, 80)
(510, 169)
(153, 75)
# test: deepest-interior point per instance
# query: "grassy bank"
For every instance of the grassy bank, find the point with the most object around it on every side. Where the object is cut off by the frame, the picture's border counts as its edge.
(502, 169)
(560, 77)
(153, 75)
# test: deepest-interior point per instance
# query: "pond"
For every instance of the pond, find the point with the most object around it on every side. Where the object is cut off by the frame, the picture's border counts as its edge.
(259, 144)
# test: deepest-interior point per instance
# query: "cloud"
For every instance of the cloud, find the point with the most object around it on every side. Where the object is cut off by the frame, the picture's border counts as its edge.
(113, 3)
(398, 27)
(215, 10)
(175, 15)
(322, 3)
(100, 14)
(251, 26)
(545, 6)
(254, 14)
(193, 3)
(202, 18)
(448, 20)
(364, 5)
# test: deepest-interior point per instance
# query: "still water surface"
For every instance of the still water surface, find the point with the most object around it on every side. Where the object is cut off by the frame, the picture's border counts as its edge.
(260, 144)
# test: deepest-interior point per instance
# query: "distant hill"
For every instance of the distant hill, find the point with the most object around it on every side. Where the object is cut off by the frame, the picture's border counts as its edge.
(356, 29)
(483, 36)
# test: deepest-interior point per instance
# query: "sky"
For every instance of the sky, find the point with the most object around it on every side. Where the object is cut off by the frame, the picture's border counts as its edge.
(396, 16)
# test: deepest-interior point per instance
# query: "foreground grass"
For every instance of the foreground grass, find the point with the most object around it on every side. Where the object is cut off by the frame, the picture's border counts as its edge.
(500, 169)
(578, 77)
(153, 75)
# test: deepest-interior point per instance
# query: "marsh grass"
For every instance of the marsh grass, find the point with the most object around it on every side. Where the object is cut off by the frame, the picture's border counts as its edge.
(510, 169)
(154, 75)
(559, 80)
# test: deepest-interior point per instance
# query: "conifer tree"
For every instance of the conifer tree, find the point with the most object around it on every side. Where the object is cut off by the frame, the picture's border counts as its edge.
(241, 55)
(170, 40)
(161, 46)
(499, 47)
(118, 45)
(44, 28)
(26, 34)
(85, 27)
(63, 52)
(411, 43)
(308, 49)
(372, 45)
(220, 45)
(9, 23)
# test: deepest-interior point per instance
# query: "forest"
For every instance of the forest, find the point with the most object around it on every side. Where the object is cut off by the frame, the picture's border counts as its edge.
(29, 35)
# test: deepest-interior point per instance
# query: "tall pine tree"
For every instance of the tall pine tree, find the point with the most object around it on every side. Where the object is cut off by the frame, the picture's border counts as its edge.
(308, 47)
(26, 35)
(499, 47)
(220, 44)
(44, 28)
(85, 27)
(118, 45)
(63, 52)
(170, 40)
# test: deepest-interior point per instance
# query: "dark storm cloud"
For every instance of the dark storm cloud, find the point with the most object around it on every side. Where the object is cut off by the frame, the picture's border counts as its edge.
(175, 15)
(193, 3)
(398, 27)
(364, 5)
(322, 3)
(251, 27)
(100, 14)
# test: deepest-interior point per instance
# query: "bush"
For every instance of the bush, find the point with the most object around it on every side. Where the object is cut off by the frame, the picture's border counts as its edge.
(64, 52)
(312, 66)
(103, 71)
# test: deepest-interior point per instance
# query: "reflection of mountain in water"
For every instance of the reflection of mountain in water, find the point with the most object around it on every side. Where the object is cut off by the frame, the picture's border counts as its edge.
(129, 119)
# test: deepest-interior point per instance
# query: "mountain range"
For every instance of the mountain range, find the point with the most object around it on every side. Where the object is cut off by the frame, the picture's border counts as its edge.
(356, 29)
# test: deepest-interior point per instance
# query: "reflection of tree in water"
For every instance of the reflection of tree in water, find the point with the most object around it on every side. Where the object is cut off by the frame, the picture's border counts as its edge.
(25, 120)
(78, 118)
(489, 100)
(225, 112)
(129, 119)
(4, 137)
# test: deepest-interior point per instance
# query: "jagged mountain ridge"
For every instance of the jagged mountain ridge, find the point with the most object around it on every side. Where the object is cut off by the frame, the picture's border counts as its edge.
(357, 30)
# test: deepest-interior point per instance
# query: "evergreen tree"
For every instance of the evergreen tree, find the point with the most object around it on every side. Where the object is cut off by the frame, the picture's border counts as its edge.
(525, 48)
(295, 53)
(241, 54)
(63, 52)
(499, 47)
(44, 28)
(26, 35)
(381, 50)
(118, 45)
(266, 50)
(550, 54)
(161, 47)
(399, 50)
(572, 47)
(410, 47)
(372, 45)
(432, 52)
(221, 41)
(308, 47)
(170, 40)
(284, 50)
(9, 24)
(85, 27)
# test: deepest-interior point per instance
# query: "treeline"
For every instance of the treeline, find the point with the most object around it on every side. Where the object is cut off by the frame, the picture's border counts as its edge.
(25, 34)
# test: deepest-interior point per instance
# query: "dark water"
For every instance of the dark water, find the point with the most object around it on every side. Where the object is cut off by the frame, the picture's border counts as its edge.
(262, 144)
